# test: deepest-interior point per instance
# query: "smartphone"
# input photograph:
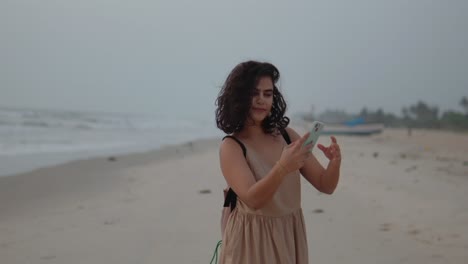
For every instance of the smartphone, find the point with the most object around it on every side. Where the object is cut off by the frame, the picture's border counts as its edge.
(315, 131)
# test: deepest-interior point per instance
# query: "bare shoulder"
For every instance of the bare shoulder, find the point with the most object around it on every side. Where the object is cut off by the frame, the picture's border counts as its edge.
(292, 133)
(230, 148)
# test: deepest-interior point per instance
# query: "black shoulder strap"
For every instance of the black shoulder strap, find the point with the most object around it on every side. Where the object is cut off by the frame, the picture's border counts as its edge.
(285, 135)
(244, 150)
(231, 196)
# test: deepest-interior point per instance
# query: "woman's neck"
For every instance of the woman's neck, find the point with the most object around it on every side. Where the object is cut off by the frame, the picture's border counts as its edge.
(252, 131)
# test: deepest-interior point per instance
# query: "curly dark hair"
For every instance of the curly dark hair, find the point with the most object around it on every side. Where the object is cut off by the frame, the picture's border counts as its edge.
(235, 98)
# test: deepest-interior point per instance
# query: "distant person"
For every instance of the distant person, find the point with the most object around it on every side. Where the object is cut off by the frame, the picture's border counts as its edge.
(267, 223)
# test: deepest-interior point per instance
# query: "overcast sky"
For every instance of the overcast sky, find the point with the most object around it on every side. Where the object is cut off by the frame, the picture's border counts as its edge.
(172, 56)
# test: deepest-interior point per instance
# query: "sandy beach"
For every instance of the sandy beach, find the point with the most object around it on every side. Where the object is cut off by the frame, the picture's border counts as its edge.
(400, 199)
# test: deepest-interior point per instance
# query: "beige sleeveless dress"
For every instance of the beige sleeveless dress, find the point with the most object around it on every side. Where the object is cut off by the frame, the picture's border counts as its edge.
(273, 234)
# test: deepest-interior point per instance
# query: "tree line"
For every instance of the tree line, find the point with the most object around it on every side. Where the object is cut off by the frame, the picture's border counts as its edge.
(417, 115)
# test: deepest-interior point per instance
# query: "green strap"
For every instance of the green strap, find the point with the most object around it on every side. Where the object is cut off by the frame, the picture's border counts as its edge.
(215, 254)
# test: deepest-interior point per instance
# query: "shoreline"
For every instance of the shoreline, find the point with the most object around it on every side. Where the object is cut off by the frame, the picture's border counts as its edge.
(15, 165)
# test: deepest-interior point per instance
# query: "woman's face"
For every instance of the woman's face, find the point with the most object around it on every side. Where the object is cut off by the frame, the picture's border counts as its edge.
(262, 100)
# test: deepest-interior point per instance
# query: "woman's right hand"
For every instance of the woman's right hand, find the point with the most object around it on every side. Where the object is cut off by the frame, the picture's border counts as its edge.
(294, 155)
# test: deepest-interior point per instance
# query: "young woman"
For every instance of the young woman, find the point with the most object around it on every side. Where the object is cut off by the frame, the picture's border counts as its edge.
(267, 224)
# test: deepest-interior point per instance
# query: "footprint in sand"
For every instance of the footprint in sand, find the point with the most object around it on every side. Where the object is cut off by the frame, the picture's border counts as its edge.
(414, 232)
(412, 168)
(111, 221)
(445, 159)
(425, 238)
(385, 227)
(129, 200)
(437, 256)
(131, 180)
(5, 244)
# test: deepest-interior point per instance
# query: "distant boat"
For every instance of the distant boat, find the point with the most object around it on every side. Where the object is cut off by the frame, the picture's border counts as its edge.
(356, 126)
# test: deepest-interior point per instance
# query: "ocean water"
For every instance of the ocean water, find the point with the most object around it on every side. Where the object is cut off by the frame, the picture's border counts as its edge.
(31, 139)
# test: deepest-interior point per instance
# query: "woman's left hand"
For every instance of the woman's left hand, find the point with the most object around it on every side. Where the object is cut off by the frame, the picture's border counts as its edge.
(333, 151)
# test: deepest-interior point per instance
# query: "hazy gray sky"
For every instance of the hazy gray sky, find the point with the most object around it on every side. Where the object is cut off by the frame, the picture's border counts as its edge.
(172, 56)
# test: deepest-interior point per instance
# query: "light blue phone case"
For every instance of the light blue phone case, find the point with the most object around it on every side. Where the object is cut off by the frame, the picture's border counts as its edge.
(317, 128)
